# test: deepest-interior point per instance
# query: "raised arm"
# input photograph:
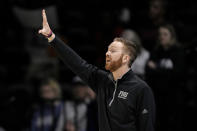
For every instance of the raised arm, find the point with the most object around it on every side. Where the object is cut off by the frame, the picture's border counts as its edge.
(89, 73)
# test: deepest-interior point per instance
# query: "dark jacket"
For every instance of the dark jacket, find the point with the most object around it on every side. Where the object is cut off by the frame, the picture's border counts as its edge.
(169, 70)
(124, 105)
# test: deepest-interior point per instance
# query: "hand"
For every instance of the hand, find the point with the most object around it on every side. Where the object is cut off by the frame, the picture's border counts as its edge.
(91, 94)
(152, 64)
(69, 126)
(46, 30)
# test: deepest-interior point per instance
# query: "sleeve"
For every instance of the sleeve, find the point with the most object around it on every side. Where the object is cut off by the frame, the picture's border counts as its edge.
(87, 72)
(146, 110)
(177, 58)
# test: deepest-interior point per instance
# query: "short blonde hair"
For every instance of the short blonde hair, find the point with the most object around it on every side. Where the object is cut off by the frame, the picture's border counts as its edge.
(130, 47)
(54, 85)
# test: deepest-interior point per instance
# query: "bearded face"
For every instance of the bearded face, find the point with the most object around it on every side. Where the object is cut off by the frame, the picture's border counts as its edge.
(114, 56)
(113, 65)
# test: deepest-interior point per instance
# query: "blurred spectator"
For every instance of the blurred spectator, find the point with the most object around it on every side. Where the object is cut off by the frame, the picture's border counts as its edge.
(157, 10)
(82, 96)
(123, 20)
(143, 55)
(148, 25)
(50, 114)
(164, 74)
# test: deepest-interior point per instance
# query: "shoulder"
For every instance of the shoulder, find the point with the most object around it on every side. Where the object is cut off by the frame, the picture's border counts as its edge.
(139, 85)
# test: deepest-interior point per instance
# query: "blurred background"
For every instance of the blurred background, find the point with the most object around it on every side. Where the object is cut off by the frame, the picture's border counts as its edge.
(39, 93)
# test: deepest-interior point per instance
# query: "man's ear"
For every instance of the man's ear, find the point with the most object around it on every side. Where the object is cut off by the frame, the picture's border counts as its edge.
(125, 58)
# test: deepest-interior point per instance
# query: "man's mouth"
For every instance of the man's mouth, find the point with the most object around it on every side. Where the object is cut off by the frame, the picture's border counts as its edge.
(107, 60)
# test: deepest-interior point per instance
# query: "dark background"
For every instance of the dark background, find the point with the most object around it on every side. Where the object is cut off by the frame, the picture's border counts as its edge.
(88, 26)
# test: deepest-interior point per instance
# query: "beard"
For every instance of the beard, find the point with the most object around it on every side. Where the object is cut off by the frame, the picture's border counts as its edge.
(114, 65)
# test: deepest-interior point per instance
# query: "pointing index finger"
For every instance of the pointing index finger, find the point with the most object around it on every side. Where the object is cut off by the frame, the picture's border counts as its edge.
(44, 16)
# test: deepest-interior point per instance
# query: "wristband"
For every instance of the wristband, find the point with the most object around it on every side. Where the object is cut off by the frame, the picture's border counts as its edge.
(50, 34)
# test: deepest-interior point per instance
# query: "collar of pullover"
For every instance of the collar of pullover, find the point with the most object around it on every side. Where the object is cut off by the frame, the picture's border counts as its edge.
(124, 77)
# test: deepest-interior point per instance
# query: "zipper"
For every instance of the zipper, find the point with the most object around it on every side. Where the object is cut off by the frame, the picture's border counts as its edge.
(114, 93)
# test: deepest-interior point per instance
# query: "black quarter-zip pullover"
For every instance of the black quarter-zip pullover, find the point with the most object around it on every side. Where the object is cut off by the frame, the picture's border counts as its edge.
(125, 105)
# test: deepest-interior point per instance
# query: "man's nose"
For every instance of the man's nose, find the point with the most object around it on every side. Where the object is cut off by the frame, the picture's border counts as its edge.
(107, 53)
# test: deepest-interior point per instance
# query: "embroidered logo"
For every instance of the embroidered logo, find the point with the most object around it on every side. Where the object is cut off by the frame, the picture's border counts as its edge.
(123, 94)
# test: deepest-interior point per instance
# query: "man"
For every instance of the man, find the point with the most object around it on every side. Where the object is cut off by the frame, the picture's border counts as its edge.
(125, 103)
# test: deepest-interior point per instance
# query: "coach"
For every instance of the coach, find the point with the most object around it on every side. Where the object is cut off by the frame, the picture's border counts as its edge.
(125, 102)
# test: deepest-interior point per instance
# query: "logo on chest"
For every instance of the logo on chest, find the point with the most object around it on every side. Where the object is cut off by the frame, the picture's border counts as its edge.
(123, 94)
